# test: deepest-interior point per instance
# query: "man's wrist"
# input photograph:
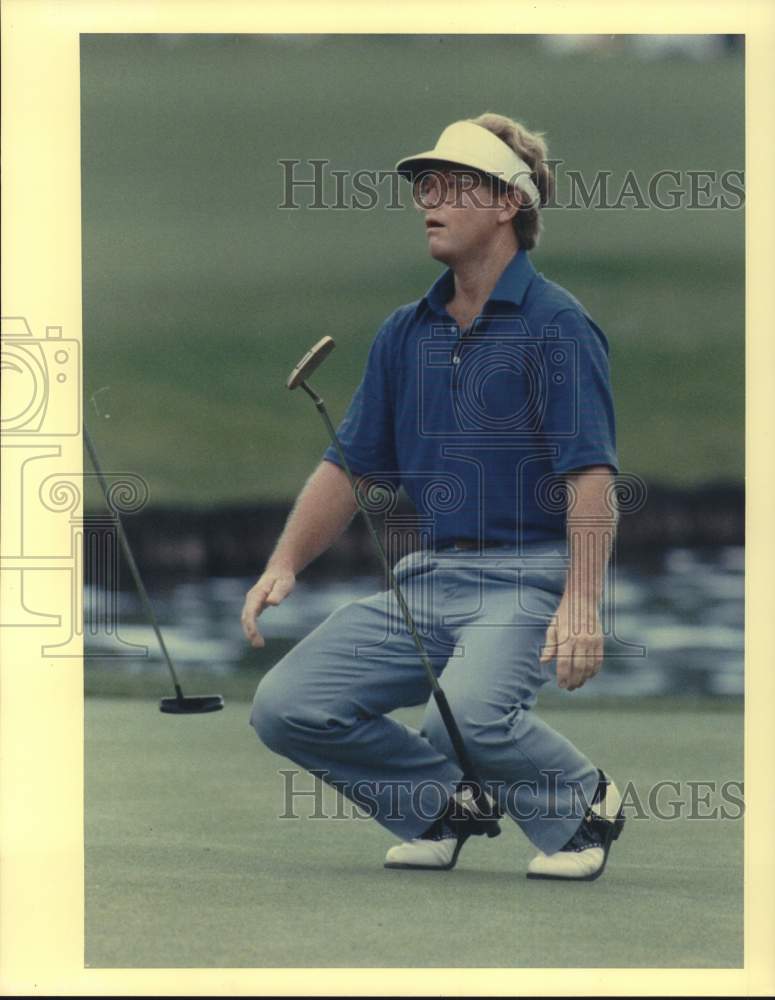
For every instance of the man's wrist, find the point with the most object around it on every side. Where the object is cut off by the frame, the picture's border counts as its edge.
(589, 547)
(281, 564)
(583, 597)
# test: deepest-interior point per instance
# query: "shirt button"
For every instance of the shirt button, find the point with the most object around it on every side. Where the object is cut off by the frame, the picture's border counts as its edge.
(456, 360)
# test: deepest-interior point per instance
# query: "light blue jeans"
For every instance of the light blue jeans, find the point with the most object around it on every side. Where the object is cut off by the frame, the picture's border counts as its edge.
(482, 619)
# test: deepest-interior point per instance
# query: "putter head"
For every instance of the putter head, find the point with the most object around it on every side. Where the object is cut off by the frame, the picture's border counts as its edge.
(315, 356)
(196, 704)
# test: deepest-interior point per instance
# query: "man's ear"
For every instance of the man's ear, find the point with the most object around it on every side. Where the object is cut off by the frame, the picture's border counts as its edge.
(511, 202)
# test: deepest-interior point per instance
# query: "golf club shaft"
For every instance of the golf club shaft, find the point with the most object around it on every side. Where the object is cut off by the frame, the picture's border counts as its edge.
(130, 559)
(441, 699)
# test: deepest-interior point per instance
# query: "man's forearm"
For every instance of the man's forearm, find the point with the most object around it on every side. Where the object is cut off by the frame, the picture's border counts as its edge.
(591, 529)
(321, 513)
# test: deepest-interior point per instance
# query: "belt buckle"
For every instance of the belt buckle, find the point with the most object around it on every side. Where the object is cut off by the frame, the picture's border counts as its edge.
(469, 544)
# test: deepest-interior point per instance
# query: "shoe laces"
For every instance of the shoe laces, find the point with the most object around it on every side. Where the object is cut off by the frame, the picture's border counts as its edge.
(439, 830)
(590, 832)
(585, 837)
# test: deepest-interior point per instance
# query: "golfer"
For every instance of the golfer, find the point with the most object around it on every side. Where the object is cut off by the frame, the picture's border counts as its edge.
(489, 401)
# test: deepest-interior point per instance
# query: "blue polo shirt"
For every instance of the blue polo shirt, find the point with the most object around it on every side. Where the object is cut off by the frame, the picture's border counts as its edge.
(480, 427)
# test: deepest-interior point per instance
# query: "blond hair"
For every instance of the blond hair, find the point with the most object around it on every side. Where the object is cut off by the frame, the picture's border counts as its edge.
(531, 147)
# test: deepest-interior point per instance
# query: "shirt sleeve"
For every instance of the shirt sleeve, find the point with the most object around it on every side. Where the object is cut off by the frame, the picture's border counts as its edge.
(578, 419)
(367, 431)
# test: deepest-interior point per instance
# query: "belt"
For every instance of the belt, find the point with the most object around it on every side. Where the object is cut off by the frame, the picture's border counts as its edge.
(472, 543)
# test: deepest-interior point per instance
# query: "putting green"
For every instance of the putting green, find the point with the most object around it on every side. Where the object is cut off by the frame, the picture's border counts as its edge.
(188, 865)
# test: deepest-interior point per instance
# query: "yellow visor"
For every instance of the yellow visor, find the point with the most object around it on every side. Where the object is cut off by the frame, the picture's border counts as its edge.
(465, 144)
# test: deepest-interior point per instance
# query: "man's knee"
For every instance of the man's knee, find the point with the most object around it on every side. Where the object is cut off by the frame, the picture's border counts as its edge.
(290, 709)
(269, 714)
(482, 726)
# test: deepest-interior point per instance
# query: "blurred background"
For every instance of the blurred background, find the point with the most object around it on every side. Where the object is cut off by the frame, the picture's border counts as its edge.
(200, 294)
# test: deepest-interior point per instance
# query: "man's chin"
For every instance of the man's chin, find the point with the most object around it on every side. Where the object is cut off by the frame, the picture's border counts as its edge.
(442, 254)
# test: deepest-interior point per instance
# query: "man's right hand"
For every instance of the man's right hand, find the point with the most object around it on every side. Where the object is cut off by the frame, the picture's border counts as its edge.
(272, 586)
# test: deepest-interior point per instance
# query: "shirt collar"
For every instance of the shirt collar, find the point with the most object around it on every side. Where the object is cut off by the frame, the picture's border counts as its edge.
(510, 286)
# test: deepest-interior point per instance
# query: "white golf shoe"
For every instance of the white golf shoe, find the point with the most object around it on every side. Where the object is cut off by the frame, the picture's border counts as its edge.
(583, 858)
(440, 854)
(438, 848)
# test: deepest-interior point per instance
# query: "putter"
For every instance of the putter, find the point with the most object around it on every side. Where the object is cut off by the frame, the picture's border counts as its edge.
(483, 808)
(181, 704)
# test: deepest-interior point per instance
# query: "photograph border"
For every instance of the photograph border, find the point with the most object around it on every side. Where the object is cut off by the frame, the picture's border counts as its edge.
(41, 708)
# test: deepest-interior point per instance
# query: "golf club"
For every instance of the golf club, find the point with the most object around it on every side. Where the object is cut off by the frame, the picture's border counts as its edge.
(483, 807)
(181, 704)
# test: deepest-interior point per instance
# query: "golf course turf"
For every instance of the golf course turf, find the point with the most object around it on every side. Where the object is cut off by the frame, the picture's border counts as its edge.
(188, 864)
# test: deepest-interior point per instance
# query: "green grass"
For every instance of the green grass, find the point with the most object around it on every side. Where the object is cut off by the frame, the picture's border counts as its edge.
(187, 864)
(200, 294)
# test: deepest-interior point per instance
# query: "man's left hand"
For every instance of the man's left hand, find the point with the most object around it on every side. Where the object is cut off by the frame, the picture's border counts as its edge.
(575, 638)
